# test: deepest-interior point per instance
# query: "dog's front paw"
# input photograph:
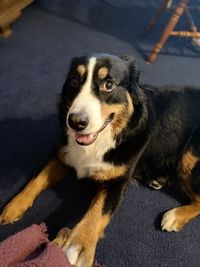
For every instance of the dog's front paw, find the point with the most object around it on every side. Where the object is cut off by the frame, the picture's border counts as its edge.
(79, 247)
(80, 251)
(62, 237)
(14, 210)
(77, 255)
(172, 221)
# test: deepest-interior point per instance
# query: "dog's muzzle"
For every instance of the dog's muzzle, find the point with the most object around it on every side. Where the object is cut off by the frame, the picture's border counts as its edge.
(88, 139)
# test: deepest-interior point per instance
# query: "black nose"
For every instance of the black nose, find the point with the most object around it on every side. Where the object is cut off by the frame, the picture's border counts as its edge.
(78, 121)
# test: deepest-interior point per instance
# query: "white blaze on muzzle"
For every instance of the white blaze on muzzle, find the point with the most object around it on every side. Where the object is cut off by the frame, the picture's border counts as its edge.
(87, 102)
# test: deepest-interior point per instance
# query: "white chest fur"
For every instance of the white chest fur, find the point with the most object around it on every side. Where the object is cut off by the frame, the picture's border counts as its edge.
(88, 159)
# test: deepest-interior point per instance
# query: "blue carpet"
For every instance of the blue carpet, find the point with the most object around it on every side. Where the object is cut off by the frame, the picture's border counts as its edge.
(33, 66)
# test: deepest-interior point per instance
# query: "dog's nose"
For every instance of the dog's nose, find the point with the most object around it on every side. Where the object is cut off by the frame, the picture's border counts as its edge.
(78, 121)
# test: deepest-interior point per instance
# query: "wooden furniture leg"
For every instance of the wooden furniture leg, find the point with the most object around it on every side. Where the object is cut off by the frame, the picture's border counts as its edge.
(10, 10)
(170, 26)
(5, 25)
(155, 18)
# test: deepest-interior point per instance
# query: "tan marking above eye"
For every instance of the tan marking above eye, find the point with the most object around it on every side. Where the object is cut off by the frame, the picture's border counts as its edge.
(102, 72)
(81, 70)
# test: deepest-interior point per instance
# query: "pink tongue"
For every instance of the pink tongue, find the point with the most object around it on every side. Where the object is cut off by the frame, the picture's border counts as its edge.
(85, 138)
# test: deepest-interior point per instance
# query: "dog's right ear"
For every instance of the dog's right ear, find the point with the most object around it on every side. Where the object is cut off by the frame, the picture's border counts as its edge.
(134, 72)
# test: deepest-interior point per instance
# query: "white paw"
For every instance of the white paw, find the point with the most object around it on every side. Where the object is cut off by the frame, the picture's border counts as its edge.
(75, 255)
(170, 221)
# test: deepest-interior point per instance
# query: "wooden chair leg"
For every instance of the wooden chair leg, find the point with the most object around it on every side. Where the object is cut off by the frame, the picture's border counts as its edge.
(157, 15)
(5, 31)
(170, 26)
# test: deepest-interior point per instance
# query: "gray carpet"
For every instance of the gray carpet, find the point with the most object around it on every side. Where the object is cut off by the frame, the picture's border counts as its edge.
(33, 66)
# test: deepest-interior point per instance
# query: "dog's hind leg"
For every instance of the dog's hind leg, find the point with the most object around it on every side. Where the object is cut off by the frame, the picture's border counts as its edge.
(189, 176)
(49, 175)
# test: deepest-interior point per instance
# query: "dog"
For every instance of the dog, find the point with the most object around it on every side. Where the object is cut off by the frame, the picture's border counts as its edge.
(115, 130)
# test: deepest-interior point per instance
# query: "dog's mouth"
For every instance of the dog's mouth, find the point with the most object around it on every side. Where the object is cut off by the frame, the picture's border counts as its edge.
(88, 139)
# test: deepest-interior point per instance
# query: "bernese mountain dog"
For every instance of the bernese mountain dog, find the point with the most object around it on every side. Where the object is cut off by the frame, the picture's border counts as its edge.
(115, 130)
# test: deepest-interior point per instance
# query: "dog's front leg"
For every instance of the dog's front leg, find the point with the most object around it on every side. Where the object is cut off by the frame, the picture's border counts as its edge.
(53, 171)
(80, 245)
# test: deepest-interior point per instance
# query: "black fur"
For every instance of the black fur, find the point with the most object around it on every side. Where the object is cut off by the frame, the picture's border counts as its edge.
(114, 192)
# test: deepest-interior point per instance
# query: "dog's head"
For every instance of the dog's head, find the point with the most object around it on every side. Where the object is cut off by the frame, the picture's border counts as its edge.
(98, 95)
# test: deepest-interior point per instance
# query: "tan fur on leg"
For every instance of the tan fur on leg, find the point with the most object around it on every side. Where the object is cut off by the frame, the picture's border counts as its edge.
(110, 174)
(81, 245)
(14, 210)
(185, 167)
(175, 219)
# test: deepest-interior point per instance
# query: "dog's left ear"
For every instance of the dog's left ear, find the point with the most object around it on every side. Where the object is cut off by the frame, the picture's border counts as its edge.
(134, 72)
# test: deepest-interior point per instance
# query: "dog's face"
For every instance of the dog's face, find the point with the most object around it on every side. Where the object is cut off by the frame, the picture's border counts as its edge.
(97, 96)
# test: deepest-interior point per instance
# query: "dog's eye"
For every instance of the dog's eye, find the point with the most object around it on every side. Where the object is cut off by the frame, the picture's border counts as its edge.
(108, 85)
(74, 83)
